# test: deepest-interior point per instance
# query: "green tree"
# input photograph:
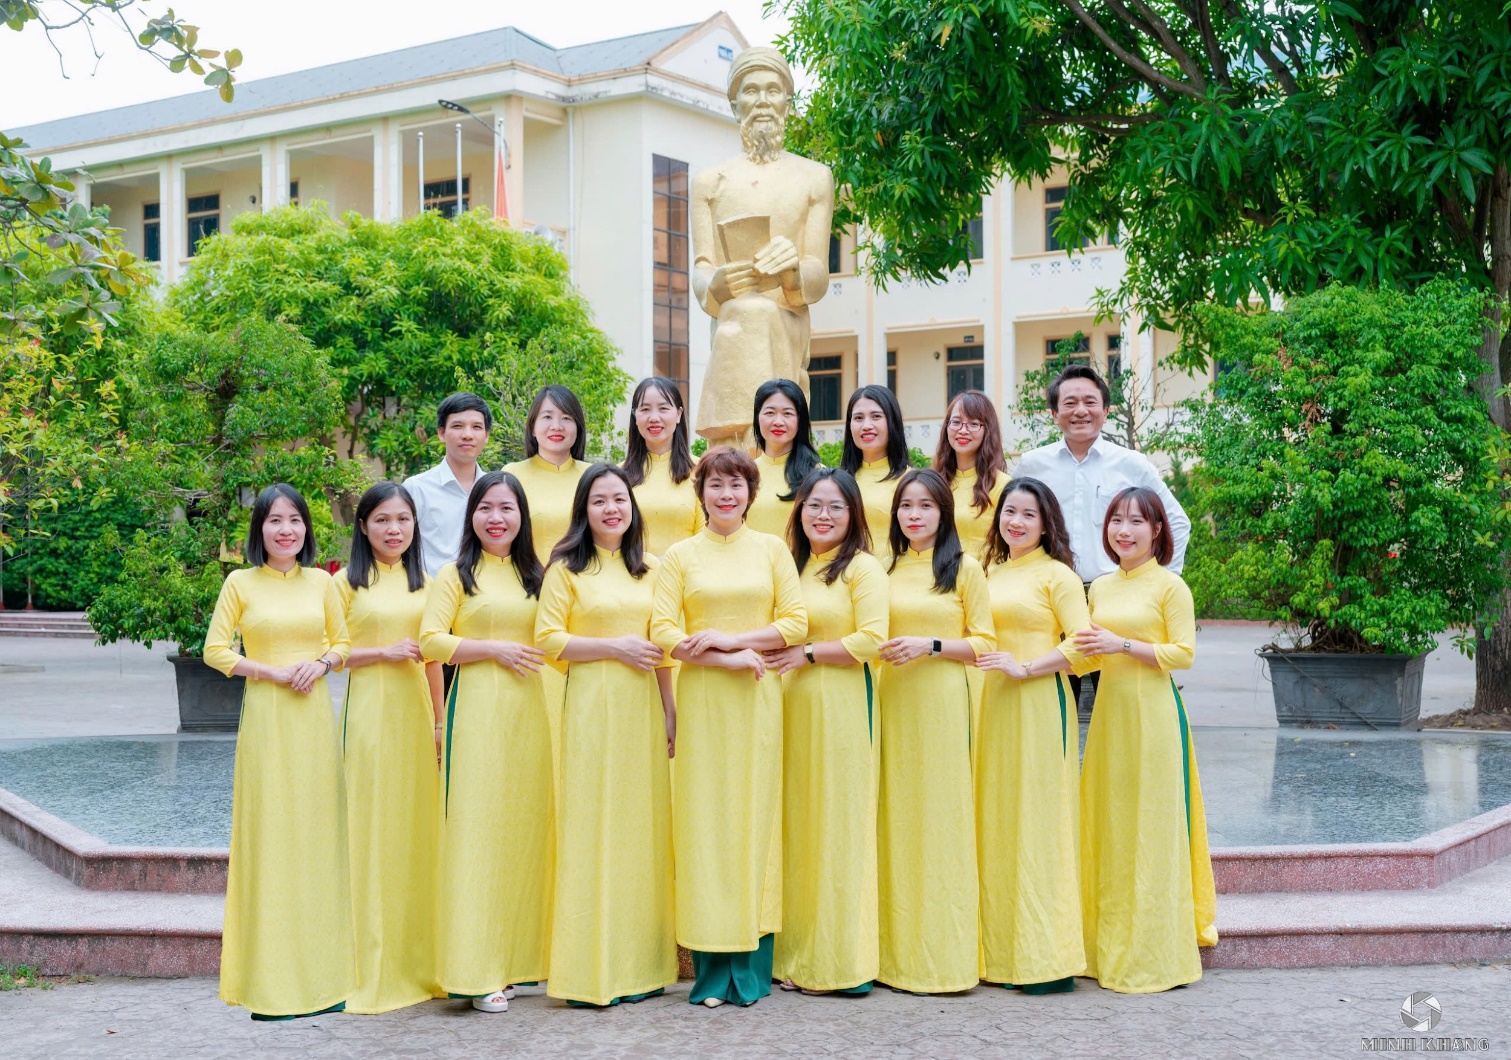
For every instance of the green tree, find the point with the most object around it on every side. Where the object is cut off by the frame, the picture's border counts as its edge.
(407, 312)
(219, 416)
(37, 208)
(1349, 465)
(1239, 149)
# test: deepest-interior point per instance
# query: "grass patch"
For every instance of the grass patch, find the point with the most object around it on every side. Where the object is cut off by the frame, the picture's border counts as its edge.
(24, 976)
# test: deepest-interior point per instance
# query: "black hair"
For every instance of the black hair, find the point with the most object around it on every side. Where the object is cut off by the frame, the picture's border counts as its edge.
(857, 537)
(563, 398)
(1076, 371)
(462, 401)
(637, 455)
(947, 550)
(521, 551)
(576, 549)
(803, 457)
(897, 437)
(361, 570)
(257, 550)
(1054, 538)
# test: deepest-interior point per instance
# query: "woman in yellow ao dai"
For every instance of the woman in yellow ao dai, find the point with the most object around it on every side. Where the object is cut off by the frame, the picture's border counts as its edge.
(614, 936)
(390, 728)
(970, 452)
(941, 621)
(1027, 750)
(1147, 893)
(659, 464)
(721, 599)
(556, 441)
(287, 943)
(498, 828)
(784, 437)
(876, 453)
(828, 940)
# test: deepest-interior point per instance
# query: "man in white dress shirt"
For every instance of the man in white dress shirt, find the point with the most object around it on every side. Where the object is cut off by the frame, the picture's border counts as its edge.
(1085, 471)
(440, 494)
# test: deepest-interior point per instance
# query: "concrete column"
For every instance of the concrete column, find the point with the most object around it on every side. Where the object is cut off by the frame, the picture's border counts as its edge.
(1002, 353)
(173, 234)
(393, 163)
(81, 189)
(275, 173)
(512, 110)
(870, 347)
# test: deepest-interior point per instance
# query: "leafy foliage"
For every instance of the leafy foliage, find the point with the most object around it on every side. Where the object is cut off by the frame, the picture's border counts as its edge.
(407, 312)
(38, 211)
(57, 554)
(1348, 467)
(218, 416)
(1237, 148)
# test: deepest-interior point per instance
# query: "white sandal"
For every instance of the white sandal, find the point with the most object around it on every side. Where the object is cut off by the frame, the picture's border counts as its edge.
(498, 1001)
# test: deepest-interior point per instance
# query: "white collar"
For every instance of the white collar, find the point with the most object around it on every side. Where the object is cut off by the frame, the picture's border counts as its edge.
(1097, 445)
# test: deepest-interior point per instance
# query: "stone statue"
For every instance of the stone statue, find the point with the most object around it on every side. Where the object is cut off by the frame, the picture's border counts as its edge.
(760, 227)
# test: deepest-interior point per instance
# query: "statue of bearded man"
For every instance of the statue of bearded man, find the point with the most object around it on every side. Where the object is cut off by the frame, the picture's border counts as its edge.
(760, 228)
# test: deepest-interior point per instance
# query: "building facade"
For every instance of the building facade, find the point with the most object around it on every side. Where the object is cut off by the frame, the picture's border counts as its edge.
(592, 147)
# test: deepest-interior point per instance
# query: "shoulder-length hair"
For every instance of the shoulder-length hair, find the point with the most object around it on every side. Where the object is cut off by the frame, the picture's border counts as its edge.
(723, 460)
(803, 457)
(897, 436)
(576, 550)
(637, 455)
(469, 553)
(857, 538)
(563, 398)
(361, 569)
(1054, 538)
(990, 459)
(1147, 503)
(257, 549)
(947, 550)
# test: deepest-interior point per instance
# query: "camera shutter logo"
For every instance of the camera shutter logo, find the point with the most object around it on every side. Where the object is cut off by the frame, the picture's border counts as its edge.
(1421, 1011)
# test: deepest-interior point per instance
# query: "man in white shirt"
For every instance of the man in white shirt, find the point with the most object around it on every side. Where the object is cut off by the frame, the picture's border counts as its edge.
(1085, 471)
(440, 494)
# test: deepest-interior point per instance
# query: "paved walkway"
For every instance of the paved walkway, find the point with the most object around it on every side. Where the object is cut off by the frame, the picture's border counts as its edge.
(1303, 1013)
(127, 689)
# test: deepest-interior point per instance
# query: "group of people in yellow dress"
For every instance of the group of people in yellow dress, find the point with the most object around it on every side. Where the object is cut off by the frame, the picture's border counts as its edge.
(860, 679)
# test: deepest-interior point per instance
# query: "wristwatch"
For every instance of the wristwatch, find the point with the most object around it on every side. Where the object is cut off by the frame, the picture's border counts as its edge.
(1127, 646)
(808, 651)
(938, 648)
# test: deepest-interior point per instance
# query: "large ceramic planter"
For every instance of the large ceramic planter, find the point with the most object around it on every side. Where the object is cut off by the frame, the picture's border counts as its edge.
(1349, 691)
(208, 701)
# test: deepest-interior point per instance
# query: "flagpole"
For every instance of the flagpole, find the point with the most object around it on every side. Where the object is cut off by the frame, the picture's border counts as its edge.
(459, 201)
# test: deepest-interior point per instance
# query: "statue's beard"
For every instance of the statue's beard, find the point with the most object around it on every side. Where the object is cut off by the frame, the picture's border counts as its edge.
(762, 139)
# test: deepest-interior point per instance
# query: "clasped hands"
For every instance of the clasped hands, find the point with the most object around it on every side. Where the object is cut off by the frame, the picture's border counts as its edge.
(723, 651)
(778, 258)
(301, 677)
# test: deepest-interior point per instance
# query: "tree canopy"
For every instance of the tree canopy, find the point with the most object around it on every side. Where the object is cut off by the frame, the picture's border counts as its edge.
(408, 311)
(1238, 148)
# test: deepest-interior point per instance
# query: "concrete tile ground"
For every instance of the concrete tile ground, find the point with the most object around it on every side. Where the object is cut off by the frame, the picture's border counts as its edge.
(126, 689)
(1324, 1012)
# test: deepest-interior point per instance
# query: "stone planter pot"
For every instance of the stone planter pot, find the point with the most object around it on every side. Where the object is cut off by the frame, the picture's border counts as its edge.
(1349, 691)
(207, 700)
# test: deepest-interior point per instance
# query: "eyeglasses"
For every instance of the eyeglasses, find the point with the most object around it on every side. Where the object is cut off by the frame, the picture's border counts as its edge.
(968, 426)
(814, 508)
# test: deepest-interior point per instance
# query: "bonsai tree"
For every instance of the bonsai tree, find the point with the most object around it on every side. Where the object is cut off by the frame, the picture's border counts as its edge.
(220, 416)
(1347, 469)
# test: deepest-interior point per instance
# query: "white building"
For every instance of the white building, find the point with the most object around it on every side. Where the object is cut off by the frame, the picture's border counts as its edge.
(600, 141)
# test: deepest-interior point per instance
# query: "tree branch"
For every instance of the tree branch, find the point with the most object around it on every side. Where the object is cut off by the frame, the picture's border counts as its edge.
(1160, 29)
(1282, 72)
(1201, 14)
(1135, 62)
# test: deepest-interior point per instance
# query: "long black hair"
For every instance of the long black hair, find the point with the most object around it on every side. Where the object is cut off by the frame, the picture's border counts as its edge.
(857, 538)
(361, 569)
(637, 455)
(897, 437)
(803, 457)
(257, 549)
(576, 549)
(469, 553)
(1055, 537)
(563, 398)
(947, 550)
